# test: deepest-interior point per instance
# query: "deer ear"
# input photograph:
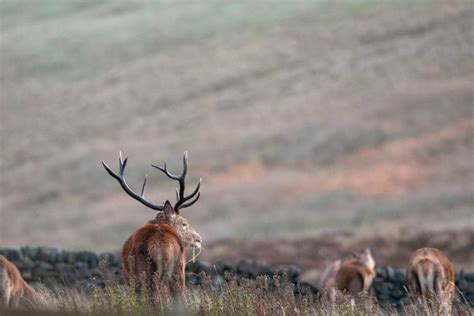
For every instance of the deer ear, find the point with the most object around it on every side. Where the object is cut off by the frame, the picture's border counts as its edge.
(168, 209)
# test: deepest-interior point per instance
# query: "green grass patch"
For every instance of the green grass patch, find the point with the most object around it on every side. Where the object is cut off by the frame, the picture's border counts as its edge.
(49, 43)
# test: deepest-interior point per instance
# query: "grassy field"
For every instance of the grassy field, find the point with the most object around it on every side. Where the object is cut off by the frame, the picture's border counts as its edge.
(263, 296)
(302, 117)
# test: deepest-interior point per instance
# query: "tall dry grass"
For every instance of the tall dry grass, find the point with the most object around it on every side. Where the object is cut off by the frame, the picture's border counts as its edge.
(264, 296)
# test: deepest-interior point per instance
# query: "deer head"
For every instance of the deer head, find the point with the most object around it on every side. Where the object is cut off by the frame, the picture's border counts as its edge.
(365, 258)
(167, 214)
(170, 216)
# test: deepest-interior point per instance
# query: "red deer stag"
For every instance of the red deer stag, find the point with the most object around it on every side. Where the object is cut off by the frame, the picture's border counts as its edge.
(156, 251)
(430, 275)
(12, 286)
(356, 274)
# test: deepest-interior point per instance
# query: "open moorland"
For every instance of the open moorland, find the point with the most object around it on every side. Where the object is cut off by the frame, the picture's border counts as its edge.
(318, 127)
(302, 119)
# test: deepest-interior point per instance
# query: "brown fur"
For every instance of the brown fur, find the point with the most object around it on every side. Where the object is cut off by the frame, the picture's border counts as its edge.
(155, 248)
(154, 255)
(155, 252)
(328, 277)
(12, 286)
(355, 275)
(430, 275)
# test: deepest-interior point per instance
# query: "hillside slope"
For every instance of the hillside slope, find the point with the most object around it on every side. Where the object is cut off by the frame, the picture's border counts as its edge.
(315, 119)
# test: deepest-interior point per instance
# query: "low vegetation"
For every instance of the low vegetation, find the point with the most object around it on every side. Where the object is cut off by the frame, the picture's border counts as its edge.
(264, 296)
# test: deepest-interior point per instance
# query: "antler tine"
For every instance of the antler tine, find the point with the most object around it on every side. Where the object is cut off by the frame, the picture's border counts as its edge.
(184, 199)
(181, 199)
(142, 193)
(185, 163)
(191, 202)
(180, 178)
(174, 176)
(120, 178)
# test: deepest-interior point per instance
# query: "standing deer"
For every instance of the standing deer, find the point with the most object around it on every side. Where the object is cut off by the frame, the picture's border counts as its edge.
(430, 275)
(356, 274)
(155, 253)
(12, 286)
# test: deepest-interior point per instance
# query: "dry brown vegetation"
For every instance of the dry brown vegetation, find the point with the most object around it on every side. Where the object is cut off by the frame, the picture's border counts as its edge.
(263, 296)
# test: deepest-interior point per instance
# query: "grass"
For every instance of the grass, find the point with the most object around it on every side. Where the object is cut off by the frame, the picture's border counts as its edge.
(263, 296)
(56, 42)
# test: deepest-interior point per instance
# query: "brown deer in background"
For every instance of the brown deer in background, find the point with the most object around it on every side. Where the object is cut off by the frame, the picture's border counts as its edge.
(355, 275)
(327, 280)
(430, 275)
(155, 253)
(12, 286)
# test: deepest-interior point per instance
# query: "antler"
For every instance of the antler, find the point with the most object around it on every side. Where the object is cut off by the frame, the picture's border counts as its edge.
(120, 178)
(182, 201)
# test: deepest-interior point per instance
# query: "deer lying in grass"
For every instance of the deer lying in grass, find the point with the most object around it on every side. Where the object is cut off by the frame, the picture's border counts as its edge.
(155, 253)
(430, 276)
(353, 275)
(12, 286)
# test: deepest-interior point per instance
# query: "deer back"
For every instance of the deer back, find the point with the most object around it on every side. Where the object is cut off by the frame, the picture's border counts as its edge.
(12, 286)
(430, 273)
(154, 253)
(328, 277)
(356, 274)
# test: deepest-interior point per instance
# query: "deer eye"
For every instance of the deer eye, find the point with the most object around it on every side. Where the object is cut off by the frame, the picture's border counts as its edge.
(184, 224)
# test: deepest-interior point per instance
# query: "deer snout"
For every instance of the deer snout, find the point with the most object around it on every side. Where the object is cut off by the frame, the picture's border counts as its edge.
(198, 241)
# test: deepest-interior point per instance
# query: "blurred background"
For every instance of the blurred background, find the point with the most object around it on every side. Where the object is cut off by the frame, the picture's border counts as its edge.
(304, 118)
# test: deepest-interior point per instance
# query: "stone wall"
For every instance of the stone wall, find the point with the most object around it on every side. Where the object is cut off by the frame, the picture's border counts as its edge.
(87, 269)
